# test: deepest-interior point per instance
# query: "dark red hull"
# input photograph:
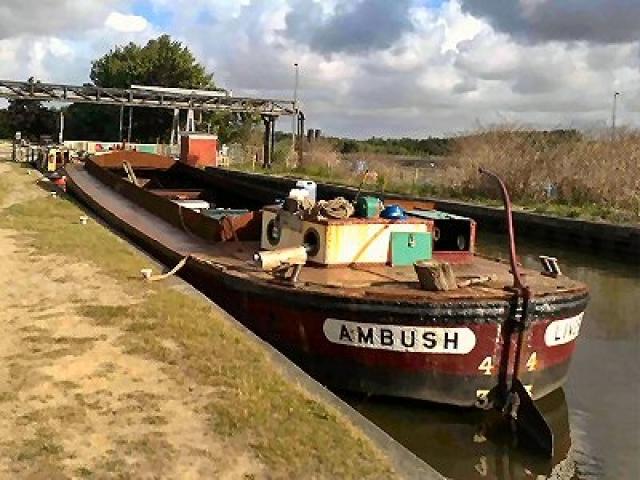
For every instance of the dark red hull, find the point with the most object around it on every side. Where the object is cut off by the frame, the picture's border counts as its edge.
(447, 352)
(294, 322)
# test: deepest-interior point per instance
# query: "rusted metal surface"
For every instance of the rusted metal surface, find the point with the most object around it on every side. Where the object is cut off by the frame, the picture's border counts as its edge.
(182, 194)
(138, 160)
(512, 397)
(242, 226)
(43, 92)
(301, 320)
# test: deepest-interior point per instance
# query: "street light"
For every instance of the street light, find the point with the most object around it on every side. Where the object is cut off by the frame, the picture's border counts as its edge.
(613, 115)
(295, 107)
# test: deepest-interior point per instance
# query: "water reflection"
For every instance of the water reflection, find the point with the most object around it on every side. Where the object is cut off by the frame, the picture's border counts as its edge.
(466, 443)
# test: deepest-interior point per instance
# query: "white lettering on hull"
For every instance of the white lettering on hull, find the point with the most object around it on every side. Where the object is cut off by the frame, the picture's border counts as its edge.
(399, 338)
(563, 331)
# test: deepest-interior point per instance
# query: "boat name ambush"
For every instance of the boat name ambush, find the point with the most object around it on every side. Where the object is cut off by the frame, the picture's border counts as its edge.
(400, 338)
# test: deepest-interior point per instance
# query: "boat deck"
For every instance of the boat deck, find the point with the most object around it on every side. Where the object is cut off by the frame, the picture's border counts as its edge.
(382, 281)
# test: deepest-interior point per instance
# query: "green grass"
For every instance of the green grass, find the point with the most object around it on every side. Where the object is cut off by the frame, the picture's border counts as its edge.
(53, 227)
(292, 434)
(289, 431)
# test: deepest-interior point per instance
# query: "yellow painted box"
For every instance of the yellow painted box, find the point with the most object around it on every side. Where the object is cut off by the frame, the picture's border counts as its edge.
(337, 242)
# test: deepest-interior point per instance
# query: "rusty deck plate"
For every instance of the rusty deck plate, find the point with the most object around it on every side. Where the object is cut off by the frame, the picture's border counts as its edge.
(383, 281)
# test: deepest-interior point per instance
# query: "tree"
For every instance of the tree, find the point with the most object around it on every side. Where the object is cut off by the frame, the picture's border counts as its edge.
(161, 62)
(5, 127)
(31, 119)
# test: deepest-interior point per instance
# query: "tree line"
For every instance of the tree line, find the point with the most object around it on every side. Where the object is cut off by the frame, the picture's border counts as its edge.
(395, 146)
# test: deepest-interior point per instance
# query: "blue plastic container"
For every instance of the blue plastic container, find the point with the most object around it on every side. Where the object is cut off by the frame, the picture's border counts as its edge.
(393, 212)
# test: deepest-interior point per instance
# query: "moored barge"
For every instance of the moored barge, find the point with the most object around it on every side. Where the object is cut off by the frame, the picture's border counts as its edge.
(334, 285)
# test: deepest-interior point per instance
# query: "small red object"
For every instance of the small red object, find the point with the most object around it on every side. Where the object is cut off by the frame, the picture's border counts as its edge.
(199, 149)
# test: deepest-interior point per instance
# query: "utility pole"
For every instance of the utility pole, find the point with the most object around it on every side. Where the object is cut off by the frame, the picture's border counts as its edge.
(613, 116)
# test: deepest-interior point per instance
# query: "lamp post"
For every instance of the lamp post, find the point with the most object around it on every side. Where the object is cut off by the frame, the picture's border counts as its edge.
(295, 106)
(613, 115)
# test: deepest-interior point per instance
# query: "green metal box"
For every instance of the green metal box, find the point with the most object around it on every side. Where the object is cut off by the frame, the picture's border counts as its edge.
(410, 247)
(368, 207)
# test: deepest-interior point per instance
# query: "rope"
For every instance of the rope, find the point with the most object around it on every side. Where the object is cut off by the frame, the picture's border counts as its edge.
(173, 271)
(338, 208)
(184, 225)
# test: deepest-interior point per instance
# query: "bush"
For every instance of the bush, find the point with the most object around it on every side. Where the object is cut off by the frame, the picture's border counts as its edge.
(541, 166)
(565, 172)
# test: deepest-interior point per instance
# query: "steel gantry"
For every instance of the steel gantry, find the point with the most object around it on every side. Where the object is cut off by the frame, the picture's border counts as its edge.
(155, 97)
(148, 97)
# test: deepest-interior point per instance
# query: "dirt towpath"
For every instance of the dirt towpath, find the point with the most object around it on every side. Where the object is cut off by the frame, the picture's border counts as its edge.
(97, 382)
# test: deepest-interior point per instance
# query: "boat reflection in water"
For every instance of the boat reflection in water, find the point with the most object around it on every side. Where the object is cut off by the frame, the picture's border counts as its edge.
(470, 444)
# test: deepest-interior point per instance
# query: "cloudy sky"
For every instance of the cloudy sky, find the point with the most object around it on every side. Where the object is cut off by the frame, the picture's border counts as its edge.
(368, 67)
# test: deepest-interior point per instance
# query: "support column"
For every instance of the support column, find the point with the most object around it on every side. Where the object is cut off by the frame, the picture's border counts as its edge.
(17, 138)
(175, 127)
(130, 124)
(266, 158)
(61, 131)
(300, 137)
(121, 129)
(191, 121)
(273, 137)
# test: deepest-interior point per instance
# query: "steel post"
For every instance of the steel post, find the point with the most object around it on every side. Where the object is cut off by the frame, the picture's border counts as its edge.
(266, 160)
(61, 131)
(120, 131)
(130, 124)
(613, 115)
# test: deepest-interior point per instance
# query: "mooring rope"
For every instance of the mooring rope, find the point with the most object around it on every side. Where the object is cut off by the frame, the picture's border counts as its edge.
(173, 271)
(183, 224)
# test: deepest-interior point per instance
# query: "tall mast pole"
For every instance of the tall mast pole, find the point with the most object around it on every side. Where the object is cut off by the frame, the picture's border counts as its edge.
(613, 115)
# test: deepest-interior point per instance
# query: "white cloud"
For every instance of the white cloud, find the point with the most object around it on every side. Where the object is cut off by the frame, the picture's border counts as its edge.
(51, 17)
(126, 23)
(447, 72)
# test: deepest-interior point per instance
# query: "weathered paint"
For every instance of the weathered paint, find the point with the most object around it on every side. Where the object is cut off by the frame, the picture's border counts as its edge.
(340, 242)
(294, 321)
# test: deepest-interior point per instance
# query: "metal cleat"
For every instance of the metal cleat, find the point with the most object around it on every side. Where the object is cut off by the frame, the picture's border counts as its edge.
(550, 266)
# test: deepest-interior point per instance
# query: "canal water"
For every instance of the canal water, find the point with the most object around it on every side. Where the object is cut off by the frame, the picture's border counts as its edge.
(595, 417)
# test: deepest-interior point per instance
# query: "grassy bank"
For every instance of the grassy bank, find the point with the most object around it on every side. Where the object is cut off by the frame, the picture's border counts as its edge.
(564, 173)
(248, 403)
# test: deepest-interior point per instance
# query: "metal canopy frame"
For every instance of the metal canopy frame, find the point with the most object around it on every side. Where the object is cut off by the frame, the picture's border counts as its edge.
(50, 92)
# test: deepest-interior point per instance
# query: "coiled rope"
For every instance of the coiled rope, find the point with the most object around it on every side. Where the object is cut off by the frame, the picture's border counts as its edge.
(338, 208)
